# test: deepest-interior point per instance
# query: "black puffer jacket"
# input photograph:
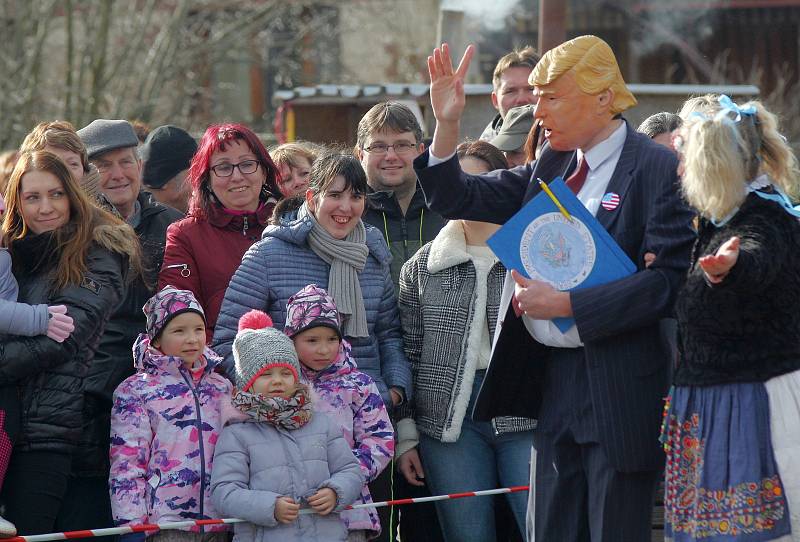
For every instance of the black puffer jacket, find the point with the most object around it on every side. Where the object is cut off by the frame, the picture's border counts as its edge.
(114, 360)
(50, 376)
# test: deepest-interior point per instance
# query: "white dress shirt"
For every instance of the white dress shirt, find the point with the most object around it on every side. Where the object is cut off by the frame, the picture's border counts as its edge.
(602, 160)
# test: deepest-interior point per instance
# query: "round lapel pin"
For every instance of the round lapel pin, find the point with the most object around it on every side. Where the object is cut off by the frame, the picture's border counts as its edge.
(610, 201)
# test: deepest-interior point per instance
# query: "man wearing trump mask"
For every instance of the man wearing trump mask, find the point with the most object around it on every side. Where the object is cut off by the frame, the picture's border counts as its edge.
(596, 389)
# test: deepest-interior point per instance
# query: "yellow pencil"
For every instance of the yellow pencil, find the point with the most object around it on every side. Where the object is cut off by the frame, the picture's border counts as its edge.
(555, 199)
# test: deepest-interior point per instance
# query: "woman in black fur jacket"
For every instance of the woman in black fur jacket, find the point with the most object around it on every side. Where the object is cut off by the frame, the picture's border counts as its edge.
(65, 251)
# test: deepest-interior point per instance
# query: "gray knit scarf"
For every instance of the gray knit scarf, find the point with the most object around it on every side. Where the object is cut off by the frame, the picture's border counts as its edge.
(346, 257)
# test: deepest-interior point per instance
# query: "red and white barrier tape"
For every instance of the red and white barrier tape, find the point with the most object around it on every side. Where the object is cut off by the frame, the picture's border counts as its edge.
(127, 529)
(417, 500)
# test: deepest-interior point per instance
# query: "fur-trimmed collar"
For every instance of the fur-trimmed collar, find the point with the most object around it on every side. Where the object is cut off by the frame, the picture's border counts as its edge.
(449, 248)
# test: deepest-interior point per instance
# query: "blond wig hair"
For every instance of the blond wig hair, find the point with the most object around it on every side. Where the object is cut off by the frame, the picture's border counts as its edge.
(722, 155)
(594, 66)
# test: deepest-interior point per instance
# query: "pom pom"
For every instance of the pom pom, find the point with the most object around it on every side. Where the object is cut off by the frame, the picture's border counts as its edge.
(255, 320)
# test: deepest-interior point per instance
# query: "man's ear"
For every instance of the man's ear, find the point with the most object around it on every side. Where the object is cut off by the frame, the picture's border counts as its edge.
(495, 101)
(358, 152)
(604, 101)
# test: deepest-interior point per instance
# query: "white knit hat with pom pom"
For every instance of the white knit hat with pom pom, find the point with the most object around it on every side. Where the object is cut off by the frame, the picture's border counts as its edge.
(258, 347)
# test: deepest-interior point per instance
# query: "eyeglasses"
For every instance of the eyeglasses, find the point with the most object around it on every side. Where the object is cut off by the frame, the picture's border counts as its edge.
(245, 168)
(383, 148)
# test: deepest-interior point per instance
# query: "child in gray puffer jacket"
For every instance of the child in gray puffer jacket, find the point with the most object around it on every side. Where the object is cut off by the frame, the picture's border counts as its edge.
(276, 455)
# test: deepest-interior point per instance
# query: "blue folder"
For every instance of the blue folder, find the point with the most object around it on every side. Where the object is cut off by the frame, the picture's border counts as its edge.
(610, 262)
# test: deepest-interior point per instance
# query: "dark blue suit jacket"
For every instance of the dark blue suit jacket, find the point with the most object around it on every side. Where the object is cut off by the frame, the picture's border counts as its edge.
(618, 322)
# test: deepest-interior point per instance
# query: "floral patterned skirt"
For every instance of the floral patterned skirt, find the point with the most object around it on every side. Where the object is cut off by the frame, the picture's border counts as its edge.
(722, 482)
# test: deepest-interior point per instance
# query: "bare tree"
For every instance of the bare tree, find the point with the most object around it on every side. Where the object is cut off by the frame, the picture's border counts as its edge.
(152, 60)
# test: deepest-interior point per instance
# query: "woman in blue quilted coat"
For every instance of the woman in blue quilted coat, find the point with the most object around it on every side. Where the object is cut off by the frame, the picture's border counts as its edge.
(325, 242)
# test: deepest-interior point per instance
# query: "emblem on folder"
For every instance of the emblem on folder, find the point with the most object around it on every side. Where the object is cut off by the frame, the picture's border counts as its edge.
(557, 250)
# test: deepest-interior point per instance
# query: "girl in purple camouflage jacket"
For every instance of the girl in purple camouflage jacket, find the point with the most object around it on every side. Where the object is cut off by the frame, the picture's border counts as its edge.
(166, 421)
(348, 396)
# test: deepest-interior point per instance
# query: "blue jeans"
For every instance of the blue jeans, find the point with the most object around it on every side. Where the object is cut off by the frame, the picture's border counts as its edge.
(479, 459)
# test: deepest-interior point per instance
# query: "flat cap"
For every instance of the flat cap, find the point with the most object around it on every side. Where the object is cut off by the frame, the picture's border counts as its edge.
(103, 135)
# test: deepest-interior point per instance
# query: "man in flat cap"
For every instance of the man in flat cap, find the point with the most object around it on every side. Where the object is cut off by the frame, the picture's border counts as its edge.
(596, 389)
(111, 146)
(166, 155)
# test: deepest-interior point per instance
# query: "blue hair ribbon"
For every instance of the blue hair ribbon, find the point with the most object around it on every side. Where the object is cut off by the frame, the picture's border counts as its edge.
(728, 106)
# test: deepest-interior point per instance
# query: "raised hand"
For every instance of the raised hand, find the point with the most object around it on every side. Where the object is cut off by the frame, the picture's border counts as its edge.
(60, 324)
(447, 85)
(718, 265)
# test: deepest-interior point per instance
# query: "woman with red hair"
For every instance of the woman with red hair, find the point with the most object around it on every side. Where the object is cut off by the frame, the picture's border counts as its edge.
(234, 190)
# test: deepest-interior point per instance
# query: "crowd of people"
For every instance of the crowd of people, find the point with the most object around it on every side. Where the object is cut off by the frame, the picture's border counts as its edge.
(217, 329)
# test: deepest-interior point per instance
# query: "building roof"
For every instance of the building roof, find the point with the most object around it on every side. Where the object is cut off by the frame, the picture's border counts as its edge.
(320, 94)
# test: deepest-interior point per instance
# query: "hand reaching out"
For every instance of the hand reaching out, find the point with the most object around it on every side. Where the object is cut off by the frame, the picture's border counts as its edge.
(286, 510)
(323, 501)
(59, 325)
(717, 266)
(447, 85)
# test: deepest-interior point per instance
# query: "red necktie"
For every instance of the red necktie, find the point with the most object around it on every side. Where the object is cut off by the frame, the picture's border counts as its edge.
(578, 177)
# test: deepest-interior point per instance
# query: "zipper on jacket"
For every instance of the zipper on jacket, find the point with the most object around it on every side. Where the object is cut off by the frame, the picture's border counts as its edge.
(244, 226)
(184, 267)
(198, 421)
(404, 230)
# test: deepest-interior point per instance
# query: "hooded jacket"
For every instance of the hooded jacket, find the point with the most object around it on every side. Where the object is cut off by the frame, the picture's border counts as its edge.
(281, 264)
(351, 400)
(165, 423)
(49, 376)
(255, 463)
(202, 254)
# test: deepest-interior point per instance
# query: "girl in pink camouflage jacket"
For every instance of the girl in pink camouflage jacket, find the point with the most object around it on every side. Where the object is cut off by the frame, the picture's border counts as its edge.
(166, 421)
(348, 396)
